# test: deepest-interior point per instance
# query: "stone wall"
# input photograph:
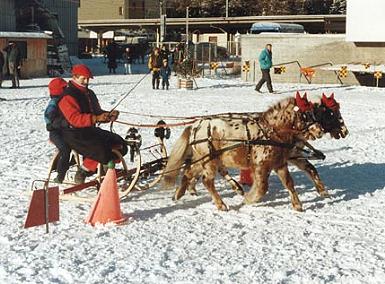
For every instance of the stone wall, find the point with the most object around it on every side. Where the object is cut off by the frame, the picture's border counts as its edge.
(310, 50)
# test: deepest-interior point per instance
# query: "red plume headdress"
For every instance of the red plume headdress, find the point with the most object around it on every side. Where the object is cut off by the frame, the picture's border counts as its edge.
(330, 102)
(303, 104)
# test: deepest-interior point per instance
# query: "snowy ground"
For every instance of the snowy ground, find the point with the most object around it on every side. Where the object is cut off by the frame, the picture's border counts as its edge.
(336, 240)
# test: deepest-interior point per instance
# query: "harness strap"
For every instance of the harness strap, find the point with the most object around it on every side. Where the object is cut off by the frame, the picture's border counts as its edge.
(210, 143)
(249, 148)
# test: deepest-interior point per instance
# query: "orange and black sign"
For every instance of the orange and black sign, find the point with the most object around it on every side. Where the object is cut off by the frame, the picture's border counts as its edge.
(213, 65)
(343, 72)
(246, 67)
(279, 70)
(377, 75)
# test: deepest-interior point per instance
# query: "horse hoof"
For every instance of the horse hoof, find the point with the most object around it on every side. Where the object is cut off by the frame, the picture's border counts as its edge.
(324, 194)
(223, 207)
(298, 208)
(247, 200)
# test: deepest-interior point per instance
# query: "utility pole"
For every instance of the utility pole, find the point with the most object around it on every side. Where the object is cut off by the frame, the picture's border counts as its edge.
(227, 8)
(162, 20)
(187, 37)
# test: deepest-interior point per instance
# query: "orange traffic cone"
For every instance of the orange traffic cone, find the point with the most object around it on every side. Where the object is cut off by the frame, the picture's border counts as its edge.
(246, 177)
(107, 204)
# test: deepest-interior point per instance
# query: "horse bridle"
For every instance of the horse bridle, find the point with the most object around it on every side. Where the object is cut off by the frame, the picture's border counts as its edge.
(328, 118)
(308, 118)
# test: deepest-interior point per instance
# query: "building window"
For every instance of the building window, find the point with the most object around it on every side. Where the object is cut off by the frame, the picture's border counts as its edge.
(120, 11)
(213, 39)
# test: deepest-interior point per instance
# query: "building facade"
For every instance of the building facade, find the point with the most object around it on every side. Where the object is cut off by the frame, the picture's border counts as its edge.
(12, 12)
(7, 16)
(67, 16)
(118, 9)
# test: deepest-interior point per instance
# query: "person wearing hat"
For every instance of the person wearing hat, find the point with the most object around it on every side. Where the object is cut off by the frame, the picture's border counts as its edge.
(81, 109)
(165, 72)
(54, 125)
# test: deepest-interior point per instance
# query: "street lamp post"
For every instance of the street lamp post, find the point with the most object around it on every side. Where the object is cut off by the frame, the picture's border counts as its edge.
(162, 20)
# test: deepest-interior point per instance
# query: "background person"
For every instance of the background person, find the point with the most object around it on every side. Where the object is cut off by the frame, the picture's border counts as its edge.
(112, 52)
(14, 64)
(2, 61)
(165, 72)
(154, 64)
(127, 59)
(265, 63)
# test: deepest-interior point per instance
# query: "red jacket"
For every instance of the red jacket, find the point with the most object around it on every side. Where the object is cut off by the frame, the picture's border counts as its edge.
(78, 105)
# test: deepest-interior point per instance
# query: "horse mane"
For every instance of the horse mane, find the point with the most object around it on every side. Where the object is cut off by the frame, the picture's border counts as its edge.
(279, 107)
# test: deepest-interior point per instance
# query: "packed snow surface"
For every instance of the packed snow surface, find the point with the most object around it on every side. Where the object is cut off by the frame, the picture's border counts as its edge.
(336, 240)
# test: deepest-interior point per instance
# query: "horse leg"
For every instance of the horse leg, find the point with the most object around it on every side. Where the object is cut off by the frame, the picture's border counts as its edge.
(224, 173)
(208, 181)
(312, 173)
(234, 184)
(192, 183)
(259, 187)
(287, 181)
(181, 190)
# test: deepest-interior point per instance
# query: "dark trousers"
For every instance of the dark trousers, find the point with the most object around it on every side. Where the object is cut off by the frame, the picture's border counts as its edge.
(165, 83)
(155, 79)
(265, 78)
(63, 162)
(95, 143)
(14, 73)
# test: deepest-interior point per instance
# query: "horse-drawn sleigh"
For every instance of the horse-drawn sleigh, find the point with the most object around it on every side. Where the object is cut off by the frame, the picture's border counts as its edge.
(263, 142)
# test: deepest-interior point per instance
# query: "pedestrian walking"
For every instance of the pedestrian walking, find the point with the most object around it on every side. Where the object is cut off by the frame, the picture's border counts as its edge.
(265, 63)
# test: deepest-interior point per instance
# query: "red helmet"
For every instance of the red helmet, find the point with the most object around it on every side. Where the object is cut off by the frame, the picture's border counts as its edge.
(56, 86)
(83, 70)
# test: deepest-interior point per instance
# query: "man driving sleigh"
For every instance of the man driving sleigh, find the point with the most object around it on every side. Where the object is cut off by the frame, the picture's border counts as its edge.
(81, 111)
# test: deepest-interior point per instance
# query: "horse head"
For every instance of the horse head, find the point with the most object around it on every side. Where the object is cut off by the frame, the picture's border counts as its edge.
(311, 128)
(328, 115)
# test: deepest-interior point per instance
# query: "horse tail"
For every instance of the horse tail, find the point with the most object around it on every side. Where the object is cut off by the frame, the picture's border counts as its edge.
(175, 160)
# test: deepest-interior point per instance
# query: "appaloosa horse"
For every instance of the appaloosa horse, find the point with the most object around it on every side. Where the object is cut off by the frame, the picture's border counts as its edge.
(326, 112)
(262, 144)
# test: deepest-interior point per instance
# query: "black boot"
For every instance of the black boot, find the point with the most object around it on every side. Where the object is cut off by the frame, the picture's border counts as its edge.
(81, 174)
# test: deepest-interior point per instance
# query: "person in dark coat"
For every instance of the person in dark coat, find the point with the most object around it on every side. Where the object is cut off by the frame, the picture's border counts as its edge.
(127, 59)
(56, 88)
(81, 109)
(165, 72)
(164, 53)
(14, 64)
(265, 62)
(2, 61)
(154, 64)
(112, 52)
